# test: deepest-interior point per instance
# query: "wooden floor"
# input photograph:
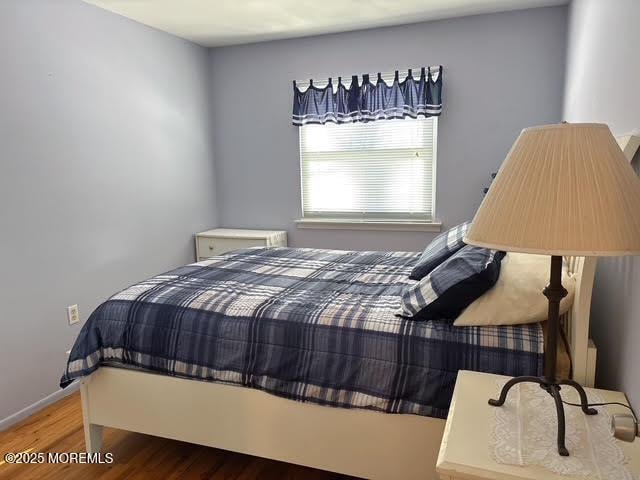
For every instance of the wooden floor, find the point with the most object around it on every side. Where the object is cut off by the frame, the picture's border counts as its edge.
(58, 428)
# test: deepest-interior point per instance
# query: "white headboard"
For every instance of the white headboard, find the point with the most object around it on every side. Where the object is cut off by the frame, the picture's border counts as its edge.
(575, 322)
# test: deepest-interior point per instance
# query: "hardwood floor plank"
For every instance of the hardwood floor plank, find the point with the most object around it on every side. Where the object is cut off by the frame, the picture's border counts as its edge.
(206, 466)
(232, 466)
(58, 429)
(202, 464)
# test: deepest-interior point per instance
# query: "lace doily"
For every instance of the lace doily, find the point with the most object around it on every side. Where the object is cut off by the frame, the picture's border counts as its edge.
(525, 430)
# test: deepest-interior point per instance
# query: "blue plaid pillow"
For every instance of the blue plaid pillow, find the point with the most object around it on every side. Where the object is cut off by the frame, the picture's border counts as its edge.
(441, 248)
(453, 285)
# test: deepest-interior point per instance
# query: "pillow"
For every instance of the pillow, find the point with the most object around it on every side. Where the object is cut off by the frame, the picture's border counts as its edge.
(517, 297)
(453, 285)
(441, 248)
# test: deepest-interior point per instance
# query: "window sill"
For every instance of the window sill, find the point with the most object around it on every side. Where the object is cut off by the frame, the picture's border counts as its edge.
(355, 224)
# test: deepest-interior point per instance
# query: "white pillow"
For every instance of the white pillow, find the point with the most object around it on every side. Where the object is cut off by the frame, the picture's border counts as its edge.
(517, 296)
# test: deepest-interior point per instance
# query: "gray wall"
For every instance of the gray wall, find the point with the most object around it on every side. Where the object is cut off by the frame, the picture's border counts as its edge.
(603, 68)
(503, 72)
(106, 170)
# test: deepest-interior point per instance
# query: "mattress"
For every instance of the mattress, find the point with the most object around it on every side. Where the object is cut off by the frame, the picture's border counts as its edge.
(306, 324)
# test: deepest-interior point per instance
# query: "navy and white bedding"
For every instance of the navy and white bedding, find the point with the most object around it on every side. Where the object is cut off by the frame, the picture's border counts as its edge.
(305, 324)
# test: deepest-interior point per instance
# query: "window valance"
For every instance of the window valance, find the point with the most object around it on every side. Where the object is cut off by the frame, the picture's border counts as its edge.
(368, 101)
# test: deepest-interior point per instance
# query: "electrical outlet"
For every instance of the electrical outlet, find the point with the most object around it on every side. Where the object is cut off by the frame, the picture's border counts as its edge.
(72, 314)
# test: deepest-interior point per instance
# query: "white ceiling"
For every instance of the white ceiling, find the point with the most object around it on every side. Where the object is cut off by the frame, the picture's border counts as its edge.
(226, 22)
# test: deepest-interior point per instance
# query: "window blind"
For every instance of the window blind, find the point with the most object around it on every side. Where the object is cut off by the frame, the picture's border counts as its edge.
(381, 170)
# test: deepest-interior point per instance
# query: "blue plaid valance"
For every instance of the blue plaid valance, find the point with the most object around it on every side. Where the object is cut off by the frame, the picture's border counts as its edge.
(368, 101)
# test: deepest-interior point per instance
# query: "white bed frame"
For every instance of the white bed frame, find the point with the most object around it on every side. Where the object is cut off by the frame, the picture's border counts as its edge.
(355, 442)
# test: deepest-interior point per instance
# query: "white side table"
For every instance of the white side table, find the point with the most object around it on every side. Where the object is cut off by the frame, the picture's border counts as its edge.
(221, 240)
(464, 452)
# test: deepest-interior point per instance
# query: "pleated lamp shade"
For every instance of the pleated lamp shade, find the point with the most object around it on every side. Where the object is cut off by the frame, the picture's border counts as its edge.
(564, 189)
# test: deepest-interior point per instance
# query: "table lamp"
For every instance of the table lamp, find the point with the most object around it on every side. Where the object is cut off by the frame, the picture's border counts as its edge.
(564, 189)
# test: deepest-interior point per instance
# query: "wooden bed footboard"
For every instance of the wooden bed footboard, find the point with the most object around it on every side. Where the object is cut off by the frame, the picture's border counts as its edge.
(350, 441)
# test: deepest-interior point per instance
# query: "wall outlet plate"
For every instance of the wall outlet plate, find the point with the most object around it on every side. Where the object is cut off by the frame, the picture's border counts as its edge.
(72, 314)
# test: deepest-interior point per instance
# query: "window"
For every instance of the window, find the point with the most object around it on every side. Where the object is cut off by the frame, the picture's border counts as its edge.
(378, 171)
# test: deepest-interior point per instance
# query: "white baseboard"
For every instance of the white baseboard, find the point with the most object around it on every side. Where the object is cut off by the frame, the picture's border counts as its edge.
(39, 405)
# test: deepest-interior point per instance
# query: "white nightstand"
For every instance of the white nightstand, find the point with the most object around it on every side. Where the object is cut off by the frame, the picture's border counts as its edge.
(220, 240)
(464, 452)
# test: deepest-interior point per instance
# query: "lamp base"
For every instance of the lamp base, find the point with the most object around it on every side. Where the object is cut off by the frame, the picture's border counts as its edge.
(553, 388)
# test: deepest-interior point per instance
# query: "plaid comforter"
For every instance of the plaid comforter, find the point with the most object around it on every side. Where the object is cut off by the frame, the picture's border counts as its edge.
(305, 324)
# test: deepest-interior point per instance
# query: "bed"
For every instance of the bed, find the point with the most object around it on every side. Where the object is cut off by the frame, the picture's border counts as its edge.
(305, 324)
(315, 326)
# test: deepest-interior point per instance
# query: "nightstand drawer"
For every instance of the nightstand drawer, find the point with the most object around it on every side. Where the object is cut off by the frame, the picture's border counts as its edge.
(209, 247)
(220, 240)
